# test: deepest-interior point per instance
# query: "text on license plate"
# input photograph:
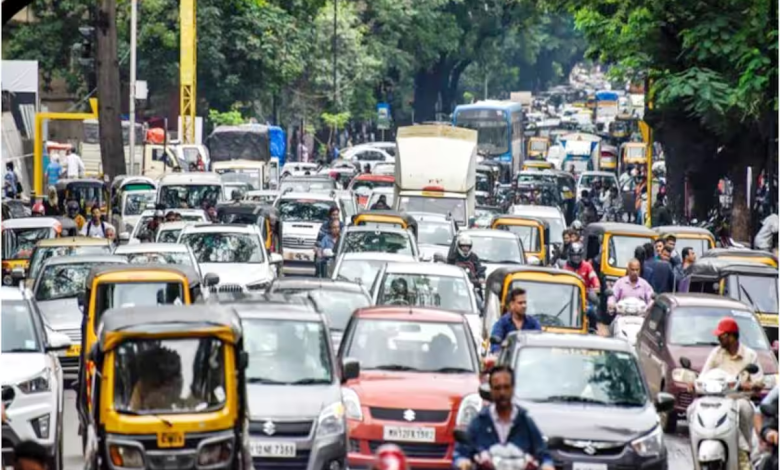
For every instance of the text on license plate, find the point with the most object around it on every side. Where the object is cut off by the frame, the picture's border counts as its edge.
(272, 449)
(170, 439)
(409, 434)
(589, 466)
(73, 350)
(291, 256)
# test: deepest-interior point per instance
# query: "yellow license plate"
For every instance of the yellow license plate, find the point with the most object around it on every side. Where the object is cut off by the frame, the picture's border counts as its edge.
(767, 319)
(73, 350)
(170, 439)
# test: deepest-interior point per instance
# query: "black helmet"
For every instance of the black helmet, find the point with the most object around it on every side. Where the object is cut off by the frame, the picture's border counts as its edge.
(576, 253)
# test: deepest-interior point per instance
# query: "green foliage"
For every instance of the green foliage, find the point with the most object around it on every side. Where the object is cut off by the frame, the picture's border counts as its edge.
(337, 121)
(229, 118)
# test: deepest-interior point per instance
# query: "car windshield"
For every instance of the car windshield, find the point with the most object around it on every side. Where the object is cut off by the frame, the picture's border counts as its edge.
(693, 326)
(538, 145)
(758, 291)
(492, 134)
(136, 202)
(435, 205)
(370, 184)
(62, 281)
(556, 305)
(361, 271)
(136, 294)
(586, 376)
(412, 346)
(500, 250)
(224, 247)
(377, 242)
(18, 330)
(237, 189)
(337, 305)
(43, 253)
(191, 196)
(19, 243)
(423, 290)
(435, 233)
(587, 181)
(622, 247)
(251, 179)
(160, 257)
(168, 236)
(529, 236)
(144, 221)
(304, 210)
(169, 376)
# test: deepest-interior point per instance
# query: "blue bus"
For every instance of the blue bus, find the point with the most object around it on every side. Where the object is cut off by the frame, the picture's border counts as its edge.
(499, 126)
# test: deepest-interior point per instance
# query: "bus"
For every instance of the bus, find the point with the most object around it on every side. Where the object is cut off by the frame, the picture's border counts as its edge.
(499, 126)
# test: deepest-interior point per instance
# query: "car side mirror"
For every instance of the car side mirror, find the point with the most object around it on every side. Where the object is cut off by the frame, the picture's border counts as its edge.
(210, 280)
(439, 258)
(775, 346)
(664, 402)
(124, 237)
(276, 258)
(484, 392)
(685, 362)
(80, 301)
(751, 369)
(57, 341)
(533, 261)
(17, 273)
(351, 369)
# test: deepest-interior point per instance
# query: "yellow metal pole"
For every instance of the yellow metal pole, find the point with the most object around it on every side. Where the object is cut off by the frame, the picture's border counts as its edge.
(649, 153)
(187, 68)
(38, 144)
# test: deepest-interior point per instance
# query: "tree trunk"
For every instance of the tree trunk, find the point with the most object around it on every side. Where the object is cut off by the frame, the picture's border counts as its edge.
(107, 69)
(427, 84)
(740, 212)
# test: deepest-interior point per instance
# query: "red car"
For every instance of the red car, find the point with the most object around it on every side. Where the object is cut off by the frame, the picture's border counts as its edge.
(412, 377)
(369, 182)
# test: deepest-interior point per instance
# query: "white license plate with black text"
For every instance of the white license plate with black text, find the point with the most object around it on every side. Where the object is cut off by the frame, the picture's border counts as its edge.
(284, 450)
(409, 434)
(589, 466)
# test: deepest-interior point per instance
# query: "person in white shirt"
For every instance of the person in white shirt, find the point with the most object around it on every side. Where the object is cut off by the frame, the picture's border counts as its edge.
(74, 165)
(97, 227)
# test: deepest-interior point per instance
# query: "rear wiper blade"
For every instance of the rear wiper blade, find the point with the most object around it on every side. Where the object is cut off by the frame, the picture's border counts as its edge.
(744, 291)
(19, 350)
(310, 381)
(394, 367)
(445, 370)
(574, 399)
(262, 380)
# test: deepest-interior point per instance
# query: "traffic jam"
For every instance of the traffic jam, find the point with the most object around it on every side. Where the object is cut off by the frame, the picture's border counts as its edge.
(487, 293)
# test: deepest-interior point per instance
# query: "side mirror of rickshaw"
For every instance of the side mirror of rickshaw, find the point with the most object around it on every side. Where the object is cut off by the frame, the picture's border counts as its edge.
(80, 301)
(243, 360)
(685, 362)
(210, 280)
(776, 346)
(425, 258)
(351, 369)
(751, 369)
(115, 211)
(276, 258)
(439, 258)
(93, 353)
(484, 392)
(533, 261)
(17, 273)
(124, 237)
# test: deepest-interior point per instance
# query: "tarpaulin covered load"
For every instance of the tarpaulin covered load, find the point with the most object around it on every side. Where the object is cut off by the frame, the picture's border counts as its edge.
(278, 143)
(244, 142)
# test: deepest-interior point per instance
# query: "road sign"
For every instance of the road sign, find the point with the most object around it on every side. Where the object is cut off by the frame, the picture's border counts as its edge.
(383, 116)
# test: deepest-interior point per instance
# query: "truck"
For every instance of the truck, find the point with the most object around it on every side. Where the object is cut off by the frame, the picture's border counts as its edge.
(524, 98)
(436, 171)
(582, 151)
(607, 107)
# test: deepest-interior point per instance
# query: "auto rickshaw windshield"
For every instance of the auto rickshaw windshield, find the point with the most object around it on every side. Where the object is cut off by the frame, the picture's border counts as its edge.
(529, 236)
(760, 292)
(622, 248)
(19, 243)
(133, 294)
(171, 376)
(555, 305)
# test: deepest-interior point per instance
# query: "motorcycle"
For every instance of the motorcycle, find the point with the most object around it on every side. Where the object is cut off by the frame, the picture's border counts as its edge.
(628, 320)
(499, 456)
(713, 418)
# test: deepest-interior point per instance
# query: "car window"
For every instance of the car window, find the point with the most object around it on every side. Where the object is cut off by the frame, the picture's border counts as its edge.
(379, 242)
(62, 281)
(18, 332)
(224, 247)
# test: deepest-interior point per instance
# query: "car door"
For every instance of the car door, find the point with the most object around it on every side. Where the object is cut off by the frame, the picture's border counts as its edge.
(649, 352)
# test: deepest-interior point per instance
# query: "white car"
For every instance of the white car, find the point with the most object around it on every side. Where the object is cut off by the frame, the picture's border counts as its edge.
(236, 253)
(169, 232)
(361, 268)
(266, 196)
(384, 169)
(187, 215)
(31, 377)
(366, 155)
(434, 234)
(300, 169)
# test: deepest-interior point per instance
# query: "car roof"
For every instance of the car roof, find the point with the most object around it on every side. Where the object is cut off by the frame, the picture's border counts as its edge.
(701, 300)
(191, 177)
(382, 191)
(566, 340)
(218, 228)
(425, 314)
(487, 232)
(597, 173)
(681, 229)
(173, 225)
(85, 259)
(188, 211)
(193, 277)
(378, 256)
(73, 241)
(319, 196)
(384, 228)
(152, 248)
(620, 228)
(314, 283)
(421, 216)
(433, 269)
(277, 311)
(30, 222)
(538, 211)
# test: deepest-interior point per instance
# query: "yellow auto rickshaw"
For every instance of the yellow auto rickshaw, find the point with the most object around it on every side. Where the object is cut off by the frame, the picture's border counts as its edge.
(533, 232)
(537, 148)
(750, 282)
(633, 153)
(88, 192)
(172, 390)
(557, 298)
(755, 256)
(19, 239)
(537, 165)
(609, 246)
(146, 285)
(700, 239)
(394, 219)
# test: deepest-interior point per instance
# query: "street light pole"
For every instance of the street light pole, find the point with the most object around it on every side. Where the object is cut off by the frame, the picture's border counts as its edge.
(133, 39)
(335, 42)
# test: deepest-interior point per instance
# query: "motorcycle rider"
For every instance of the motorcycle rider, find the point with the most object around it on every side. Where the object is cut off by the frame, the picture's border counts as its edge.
(576, 263)
(732, 357)
(73, 214)
(465, 258)
(586, 209)
(502, 423)
(333, 215)
(768, 426)
(514, 319)
(628, 286)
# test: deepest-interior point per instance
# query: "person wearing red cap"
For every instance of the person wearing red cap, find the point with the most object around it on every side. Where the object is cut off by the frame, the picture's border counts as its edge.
(732, 357)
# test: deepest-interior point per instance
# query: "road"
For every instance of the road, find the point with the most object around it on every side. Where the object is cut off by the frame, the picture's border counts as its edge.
(679, 451)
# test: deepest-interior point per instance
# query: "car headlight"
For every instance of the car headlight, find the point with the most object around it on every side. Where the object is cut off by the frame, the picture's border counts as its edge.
(351, 404)
(215, 453)
(36, 385)
(685, 376)
(41, 426)
(469, 408)
(770, 381)
(126, 456)
(651, 444)
(258, 285)
(331, 420)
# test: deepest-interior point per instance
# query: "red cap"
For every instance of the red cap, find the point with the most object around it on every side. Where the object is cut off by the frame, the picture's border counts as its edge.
(390, 457)
(726, 325)
(38, 207)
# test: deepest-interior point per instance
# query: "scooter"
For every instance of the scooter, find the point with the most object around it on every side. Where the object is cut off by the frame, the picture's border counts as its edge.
(499, 456)
(629, 319)
(713, 419)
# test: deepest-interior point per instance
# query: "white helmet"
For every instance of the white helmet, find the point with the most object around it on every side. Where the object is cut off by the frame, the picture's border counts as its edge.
(464, 240)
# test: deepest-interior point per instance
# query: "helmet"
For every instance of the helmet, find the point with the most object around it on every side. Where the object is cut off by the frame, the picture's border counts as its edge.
(576, 225)
(576, 253)
(390, 457)
(73, 208)
(463, 241)
(37, 208)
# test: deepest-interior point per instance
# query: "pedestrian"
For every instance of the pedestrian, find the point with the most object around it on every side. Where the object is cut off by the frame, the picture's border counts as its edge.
(74, 165)
(29, 455)
(658, 247)
(96, 227)
(53, 171)
(661, 273)
(661, 215)
(11, 181)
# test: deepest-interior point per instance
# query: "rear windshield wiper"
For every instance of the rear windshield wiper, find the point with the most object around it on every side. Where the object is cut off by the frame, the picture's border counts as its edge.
(262, 380)
(574, 399)
(136, 413)
(395, 367)
(744, 291)
(451, 370)
(310, 381)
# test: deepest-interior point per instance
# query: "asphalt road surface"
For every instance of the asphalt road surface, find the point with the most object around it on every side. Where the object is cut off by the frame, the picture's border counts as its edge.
(679, 450)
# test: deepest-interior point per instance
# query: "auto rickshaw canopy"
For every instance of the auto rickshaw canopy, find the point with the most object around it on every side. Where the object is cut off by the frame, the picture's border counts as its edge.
(141, 272)
(715, 269)
(184, 321)
(758, 256)
(86, 191)
(400, 219)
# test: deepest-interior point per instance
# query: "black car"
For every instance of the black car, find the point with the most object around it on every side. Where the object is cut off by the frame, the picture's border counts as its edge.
(589, 398)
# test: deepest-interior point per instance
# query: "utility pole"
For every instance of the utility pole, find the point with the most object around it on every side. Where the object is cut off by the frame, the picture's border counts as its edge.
(335, 54)
(133, 44)
(111, 144)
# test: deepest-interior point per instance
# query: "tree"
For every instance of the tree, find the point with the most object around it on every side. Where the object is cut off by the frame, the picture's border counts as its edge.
(228, 118)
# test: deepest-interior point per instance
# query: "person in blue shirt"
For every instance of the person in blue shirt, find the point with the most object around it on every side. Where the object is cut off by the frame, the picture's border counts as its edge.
(327, 249)
(502, 422)
(515, 319)
(53, 171)
(11, 182)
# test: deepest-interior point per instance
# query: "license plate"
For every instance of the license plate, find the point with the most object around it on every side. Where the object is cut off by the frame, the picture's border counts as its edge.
(170, 439)
(73, 350)
(290, 256)
(283, 450)
(589, 466)
(396, 433)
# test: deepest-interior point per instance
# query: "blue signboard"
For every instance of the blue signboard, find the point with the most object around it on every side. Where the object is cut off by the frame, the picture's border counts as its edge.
(382, 116)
